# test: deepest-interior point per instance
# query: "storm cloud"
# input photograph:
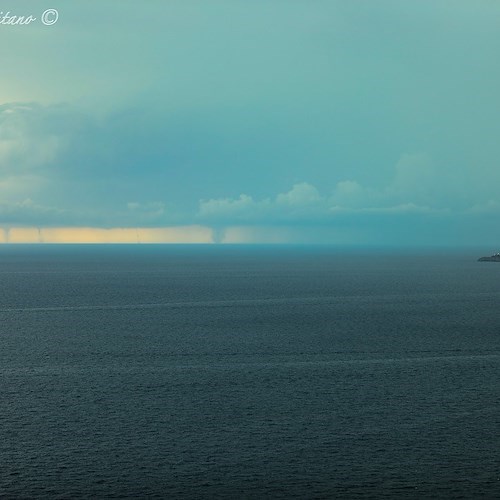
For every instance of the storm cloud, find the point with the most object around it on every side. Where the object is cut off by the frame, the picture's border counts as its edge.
(329, 121)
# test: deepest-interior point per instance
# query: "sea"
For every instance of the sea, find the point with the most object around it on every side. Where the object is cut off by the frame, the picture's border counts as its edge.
(252, 372)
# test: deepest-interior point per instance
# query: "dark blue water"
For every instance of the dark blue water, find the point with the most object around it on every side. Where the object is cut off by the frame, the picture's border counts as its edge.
(237, 372)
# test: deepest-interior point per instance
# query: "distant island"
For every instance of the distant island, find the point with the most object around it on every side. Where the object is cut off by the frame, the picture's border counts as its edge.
(494, 258)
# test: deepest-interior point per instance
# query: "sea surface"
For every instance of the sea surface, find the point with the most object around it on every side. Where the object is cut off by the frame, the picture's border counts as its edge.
(248, 372)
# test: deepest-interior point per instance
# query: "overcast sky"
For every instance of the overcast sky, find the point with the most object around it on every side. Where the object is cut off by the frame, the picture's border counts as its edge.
(312, 121)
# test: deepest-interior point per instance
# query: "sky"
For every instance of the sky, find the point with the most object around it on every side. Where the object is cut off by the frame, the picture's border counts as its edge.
(367, 122)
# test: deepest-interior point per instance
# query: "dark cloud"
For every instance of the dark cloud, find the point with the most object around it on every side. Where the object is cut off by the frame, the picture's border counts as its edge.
(298, 114)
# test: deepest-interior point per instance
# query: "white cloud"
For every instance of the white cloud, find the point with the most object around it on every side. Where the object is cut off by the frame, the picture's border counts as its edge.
(25, 144)
(243, 207)
(302, 201)
(350, 194)
(301, 194)
(409, 191)
(27, 211)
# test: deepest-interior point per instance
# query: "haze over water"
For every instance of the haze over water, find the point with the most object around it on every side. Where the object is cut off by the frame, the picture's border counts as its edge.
(253, 372)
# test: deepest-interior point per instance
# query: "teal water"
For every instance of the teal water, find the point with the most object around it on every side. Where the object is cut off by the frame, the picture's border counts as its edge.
(224, 372)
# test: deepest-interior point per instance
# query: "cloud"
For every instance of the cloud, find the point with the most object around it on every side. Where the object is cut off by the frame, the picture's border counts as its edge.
(152, 209)
(302, 194)
(302, 201)
(240, 207)
(306, 116)
(416, 183)
(28, 212)
(416, 180)
(491, 207)
(350, 194)
(77, 168)
(62, 167)
(32, 136)
(409, 191)
(28, 146)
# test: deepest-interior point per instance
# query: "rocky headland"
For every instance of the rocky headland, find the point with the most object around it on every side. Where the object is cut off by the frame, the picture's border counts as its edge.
(492, 258)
